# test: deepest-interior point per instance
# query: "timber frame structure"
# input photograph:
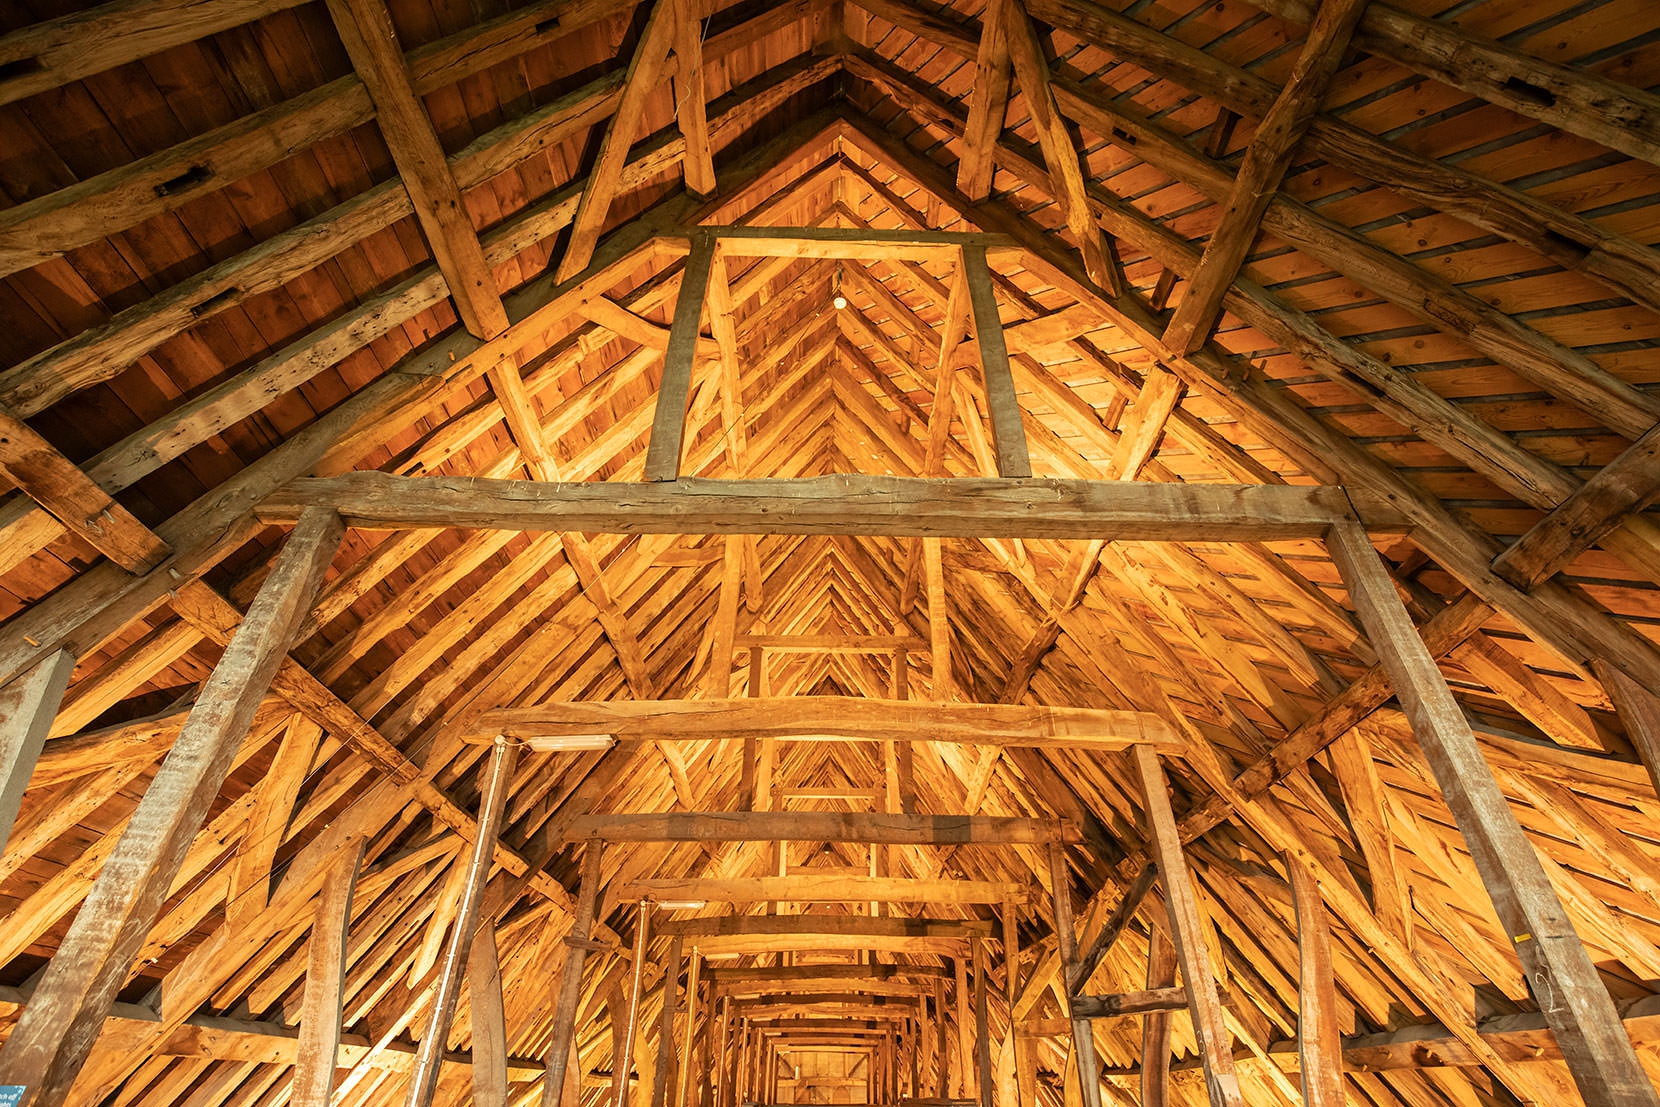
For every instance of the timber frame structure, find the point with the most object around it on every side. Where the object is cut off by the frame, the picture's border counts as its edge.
(989, 553)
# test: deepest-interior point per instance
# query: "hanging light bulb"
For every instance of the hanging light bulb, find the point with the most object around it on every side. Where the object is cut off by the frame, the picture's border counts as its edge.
(836, 296)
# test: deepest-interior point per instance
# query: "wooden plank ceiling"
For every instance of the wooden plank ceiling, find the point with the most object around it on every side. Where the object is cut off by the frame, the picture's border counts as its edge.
(1411, 249)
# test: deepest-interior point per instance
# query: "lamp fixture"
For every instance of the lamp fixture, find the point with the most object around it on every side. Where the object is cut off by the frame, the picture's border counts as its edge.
(681, 904)
(836, 296)
(570, 743)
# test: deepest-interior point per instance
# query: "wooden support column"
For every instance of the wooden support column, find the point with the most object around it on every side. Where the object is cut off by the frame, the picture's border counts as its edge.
(489, 1017)
(1066, 950)
(685, 1063)
(27, 707)
(624, 1062)
(66, 1013)
(966, 1069)
(942, 1066)
(665, 1036)
(1187, 931)
(1007, 434)
(1319, 1037)
(1155, 1025)
(1560, 974)
(668, 426)
(423, 1081)
(570, 978)
(982, 1028)
(939, 625)
(325, 985)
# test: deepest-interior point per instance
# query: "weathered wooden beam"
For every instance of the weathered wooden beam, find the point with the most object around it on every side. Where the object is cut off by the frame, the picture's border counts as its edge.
(660, 1072)
(863, 505)
(817, 826)
(488, 1013)
(51, 1041)
(365, 27)
(1083, 1056)
(1060, 155)
(1578, 1007)
(645, 69)
(770, 978)
(85, 509)
(1168, 998)
(853, 243)
(988, 104)
(325, 984)
(690, 1038)
(1007, 434)
(829, 717)
(803, 887)
(1266, 159)
(1617, 490)
(424, 1082)
(668, 428)
(622, 1056)
(1617, 115)
(831, 643)
(1319, 1035)
(1187, 931)
(27, 707)
(697, 167)
(560, 1044)
(1155, 1028)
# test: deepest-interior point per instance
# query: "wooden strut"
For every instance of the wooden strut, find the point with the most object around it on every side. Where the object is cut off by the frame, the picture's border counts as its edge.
(1066, 949)
(570, 978)
(622, 1063)
(423, 1082)
(1560, 973)
(1187, 931)
(51, 1042)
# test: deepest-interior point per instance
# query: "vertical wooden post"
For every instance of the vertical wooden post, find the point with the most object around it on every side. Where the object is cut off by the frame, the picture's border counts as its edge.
(570, 978)
(27, 706)
(723, 1071)
(1560, 974)
(965, 1029)
(1155, 1025)
(489, 1018)
(668, 425)
(625, 1063)
(939, 624)
(665, 1037)
(691, 1028)
(942, 1073)
(1319, 1038)
(423, 1081)
(66, 1013)
(1066, 949)
(982, 1027)
(325, 984)
(1187, 931)
(1008, 436)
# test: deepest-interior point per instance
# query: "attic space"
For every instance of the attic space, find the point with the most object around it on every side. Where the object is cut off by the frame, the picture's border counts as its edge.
(756, 553)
